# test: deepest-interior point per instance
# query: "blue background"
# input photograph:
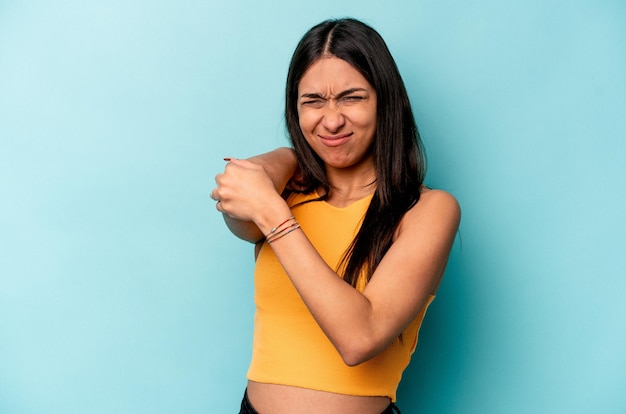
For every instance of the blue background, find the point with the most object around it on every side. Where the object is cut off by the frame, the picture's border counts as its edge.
(121, 290)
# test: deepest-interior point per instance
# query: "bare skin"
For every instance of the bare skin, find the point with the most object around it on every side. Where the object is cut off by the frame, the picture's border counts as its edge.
(283, 399)
(335, 112)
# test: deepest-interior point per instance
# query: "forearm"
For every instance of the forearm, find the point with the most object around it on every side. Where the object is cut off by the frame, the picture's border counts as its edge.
(353, 333)
(325, 294)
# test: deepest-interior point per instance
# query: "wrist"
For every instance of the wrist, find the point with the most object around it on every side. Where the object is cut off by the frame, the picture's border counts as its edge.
(273, 215)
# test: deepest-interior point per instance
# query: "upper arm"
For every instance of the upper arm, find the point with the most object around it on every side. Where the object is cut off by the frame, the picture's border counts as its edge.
(413, 266)
(245, 230)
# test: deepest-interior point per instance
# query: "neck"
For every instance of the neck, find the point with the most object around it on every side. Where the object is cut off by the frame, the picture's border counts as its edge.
(349, 185)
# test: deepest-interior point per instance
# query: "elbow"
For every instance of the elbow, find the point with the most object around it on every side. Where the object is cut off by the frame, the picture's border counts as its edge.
(358, 352)
(354, 360)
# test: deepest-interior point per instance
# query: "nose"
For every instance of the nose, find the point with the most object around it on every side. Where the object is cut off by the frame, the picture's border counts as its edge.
(333, 118)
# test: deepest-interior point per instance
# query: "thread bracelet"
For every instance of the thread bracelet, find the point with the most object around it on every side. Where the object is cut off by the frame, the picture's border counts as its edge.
(284, 233)
(273, 230)
(282, 229)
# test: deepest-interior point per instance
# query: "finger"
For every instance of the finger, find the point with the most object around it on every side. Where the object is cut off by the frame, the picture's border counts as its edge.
(241, 163)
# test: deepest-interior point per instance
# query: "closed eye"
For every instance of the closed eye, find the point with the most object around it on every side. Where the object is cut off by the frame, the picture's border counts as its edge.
(311, 99)
(313, 102)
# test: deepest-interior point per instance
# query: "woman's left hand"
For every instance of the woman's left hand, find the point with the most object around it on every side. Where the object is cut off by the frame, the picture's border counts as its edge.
(244, 190)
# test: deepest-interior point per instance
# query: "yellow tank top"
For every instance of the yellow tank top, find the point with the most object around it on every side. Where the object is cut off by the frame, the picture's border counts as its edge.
(289, 348)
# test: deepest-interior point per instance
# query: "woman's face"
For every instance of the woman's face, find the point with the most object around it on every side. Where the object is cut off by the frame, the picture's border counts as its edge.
(337, 113)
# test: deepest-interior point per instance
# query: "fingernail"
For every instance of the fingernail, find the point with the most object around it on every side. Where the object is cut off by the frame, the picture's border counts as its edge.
(226, 158)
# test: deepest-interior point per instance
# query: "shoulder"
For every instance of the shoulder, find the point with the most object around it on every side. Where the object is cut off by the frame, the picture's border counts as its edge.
(438, 200)
(436, 210)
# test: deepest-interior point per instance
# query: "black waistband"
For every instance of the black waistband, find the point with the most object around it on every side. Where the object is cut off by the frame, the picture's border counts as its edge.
(246, 407)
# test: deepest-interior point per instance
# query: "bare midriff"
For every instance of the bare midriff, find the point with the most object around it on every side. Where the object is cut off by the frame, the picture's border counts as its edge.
(285, 399)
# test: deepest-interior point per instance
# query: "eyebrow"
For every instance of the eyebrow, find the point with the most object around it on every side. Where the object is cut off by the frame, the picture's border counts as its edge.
(338, 96)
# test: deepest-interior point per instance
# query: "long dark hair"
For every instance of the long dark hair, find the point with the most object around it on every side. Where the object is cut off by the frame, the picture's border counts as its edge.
(399, 157)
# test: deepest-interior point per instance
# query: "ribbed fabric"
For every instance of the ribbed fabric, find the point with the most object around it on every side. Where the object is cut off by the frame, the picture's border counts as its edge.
(289, 347)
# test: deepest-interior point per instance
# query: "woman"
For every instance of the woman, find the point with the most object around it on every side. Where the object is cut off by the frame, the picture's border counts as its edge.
(348, 264)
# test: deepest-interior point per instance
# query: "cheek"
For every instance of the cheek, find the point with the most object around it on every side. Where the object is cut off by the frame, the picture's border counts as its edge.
(305, 121)
(365, 119)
